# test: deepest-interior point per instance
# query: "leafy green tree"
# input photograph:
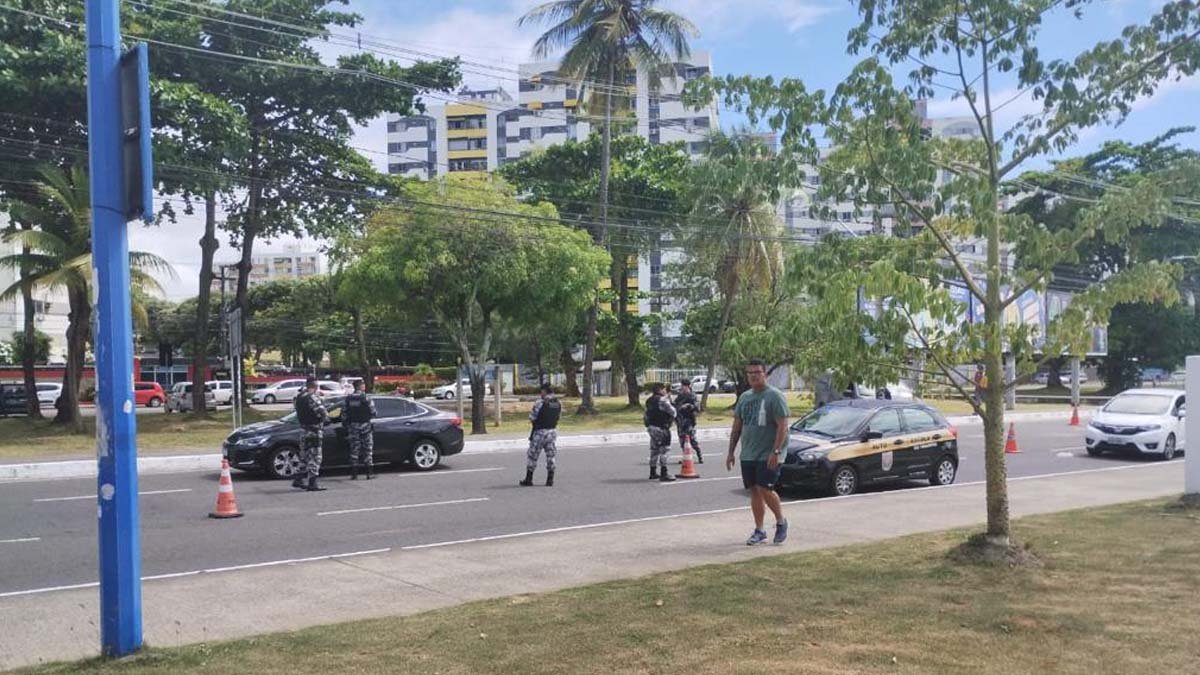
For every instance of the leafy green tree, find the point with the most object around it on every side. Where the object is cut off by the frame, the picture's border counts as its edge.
(885, 158)
(440, 255)
(605, 41)
(647, 188)
(41, 349)
(59, 255)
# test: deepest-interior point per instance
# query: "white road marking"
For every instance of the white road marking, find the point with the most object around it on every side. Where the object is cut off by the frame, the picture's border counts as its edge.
(689, 481)
(212, 570)
(82, 497)
(432, 474)
(404, 506)
(19, 541)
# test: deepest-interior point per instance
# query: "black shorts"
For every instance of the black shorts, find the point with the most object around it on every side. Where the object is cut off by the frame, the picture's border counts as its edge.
(757, 473)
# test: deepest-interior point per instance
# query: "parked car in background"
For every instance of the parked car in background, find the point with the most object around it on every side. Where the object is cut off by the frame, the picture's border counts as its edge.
(405, 432)
(729, 387)
(180, 398)
(1146, 421)
(896, 391)
(12, 399)
(447, 392)
(348, 383)
(48, 393)
(283, 391)
(149, 394)
(698, 384)
(222, 391)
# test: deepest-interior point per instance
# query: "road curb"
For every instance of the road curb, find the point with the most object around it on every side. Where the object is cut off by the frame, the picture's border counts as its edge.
(85, 468)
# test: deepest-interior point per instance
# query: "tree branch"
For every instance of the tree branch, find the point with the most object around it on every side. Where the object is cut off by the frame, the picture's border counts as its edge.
(946, 370)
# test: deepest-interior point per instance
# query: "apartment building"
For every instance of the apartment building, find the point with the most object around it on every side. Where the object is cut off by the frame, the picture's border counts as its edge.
(50, 307)
(291, 262)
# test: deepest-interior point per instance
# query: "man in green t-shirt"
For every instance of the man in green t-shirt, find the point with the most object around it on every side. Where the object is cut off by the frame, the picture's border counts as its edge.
(760, 422)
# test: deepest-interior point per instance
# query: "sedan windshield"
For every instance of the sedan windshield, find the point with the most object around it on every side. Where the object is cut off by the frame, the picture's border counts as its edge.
(333, 408)
(832, 421)
(1139, 404)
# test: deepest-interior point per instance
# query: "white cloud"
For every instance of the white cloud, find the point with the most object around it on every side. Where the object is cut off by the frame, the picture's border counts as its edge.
(1011, 104)
(734, 16)
(1166, 89)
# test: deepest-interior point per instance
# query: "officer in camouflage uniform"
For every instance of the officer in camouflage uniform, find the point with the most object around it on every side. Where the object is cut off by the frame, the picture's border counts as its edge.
(311, 414)
(357, 413)
(686, 406)
(659, 416)
(544, 418)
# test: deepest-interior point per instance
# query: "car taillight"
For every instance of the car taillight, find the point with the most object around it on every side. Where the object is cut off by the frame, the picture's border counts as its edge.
(954, 432)
(456, 421)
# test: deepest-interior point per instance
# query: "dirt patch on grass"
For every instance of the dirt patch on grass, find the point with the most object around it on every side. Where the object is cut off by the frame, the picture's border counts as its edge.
(978, 550)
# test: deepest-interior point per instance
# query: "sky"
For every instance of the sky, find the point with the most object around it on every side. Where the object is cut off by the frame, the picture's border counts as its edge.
(804, 39)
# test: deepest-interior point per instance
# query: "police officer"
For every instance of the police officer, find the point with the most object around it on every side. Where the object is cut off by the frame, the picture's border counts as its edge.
(311, 414)
(544, 419)
(686, 407)
(358, 411)
(659, 416)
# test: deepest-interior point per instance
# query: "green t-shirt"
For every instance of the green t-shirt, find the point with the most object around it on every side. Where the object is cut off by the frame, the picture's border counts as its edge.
(759, 412)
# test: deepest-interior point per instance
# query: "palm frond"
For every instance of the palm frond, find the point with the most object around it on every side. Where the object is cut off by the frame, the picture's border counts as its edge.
(44, 242)
(149, 262)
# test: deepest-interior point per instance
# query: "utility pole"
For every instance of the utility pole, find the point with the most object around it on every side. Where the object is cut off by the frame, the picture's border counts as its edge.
(120, 178)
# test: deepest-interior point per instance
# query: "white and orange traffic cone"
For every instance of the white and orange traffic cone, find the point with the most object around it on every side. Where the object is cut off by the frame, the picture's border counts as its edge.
(689, 461)
(1010, 446)
(226, 503)
(1074, 415)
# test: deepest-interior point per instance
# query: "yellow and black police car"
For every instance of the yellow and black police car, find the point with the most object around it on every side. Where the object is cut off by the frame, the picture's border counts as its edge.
(846, 445)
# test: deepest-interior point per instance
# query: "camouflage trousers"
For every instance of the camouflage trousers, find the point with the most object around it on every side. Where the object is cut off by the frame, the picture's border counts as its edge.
(660, 446)
(688, 428)
(362, 443)
(310, 452)
(542, 439)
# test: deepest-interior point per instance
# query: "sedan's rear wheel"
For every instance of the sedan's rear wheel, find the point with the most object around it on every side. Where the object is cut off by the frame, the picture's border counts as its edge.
(448, 396)
(844, 481)
(426, 455)
(269, 398)
(284, 462)
(943, 472)
(1169, 448)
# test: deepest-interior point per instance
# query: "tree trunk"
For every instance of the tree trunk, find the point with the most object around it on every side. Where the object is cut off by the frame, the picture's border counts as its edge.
(587, 406)
(537, 357)
(478, 400)
(1054, 374)
(208, 247)
(626, 336)
(363, 363)
(569, 367)
(28, 355)
(719, 341)
(993, 418)
(78, 323)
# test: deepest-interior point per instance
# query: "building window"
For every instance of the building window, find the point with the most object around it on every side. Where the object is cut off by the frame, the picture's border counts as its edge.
(546, 131)
(467, 144)
(701, 122)
(395, 125)
(526, 134)
(472, 122)
(468, 165)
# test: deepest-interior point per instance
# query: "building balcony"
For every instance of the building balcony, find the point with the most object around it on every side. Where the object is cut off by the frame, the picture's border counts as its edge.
(467, 154)
(467, 133)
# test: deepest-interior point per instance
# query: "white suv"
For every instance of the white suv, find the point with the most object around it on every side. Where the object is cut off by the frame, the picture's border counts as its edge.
(447, 392)
(222, 391)
(1148, 421)
(48, 392)
(179, 399)
(284, 391)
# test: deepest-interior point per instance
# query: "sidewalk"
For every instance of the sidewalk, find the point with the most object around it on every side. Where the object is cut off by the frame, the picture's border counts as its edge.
(210, 605)
(85, 468)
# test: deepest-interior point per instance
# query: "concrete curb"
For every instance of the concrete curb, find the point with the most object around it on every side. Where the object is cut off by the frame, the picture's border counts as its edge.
(86, 468)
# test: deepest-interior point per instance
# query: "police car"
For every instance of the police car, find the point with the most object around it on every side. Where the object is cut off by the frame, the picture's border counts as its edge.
(846, 445)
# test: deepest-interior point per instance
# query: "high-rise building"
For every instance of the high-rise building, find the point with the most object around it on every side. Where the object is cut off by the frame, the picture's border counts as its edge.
(50, 306)
(485, 128)
(290, 263)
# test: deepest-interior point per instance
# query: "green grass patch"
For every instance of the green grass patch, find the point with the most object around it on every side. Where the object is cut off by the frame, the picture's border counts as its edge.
(1116, 595)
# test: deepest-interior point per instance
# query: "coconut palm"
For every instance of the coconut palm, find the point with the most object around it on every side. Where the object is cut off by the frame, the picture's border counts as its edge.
(735, 188)
(604, 42)
(58, 255)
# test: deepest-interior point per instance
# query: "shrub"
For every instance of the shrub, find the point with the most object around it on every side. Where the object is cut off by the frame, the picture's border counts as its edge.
(535, 390)
(422, 393)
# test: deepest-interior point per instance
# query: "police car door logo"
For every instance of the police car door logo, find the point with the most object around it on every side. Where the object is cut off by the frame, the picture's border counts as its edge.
(887, 461)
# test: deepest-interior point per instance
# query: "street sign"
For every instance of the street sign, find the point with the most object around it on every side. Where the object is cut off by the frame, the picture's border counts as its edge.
(137, 159)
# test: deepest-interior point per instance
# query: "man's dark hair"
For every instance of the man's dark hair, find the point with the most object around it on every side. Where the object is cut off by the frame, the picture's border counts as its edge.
(757, 362)
(658, 387)
(685, 382)
(310, 381)
(546, 388)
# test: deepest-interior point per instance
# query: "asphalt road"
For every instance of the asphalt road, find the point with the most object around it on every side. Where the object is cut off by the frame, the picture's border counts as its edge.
(48, 539)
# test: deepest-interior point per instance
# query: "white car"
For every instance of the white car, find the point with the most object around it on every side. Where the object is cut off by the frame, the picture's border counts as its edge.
(222, 391)
(284, 391)
(698, 384)
(179, 399)
(447, 392)
(48, 392)
(1149, 421)
(349, 382)
(896, 391)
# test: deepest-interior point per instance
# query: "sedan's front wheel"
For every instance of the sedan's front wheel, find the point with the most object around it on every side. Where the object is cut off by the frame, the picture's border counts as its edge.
(1169, 448)
(426, 455)
(844, 481)
(284, 462)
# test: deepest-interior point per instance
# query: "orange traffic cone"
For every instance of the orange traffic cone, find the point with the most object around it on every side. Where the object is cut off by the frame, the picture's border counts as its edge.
(1010, 446)
(689, 461)
(226, 503)
(1074, 415)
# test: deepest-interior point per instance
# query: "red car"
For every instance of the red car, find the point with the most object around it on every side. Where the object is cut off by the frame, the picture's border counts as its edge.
(149, 394)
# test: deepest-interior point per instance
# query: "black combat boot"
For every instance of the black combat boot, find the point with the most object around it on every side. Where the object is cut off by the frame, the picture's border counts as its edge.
(528, 482)
(354, 472)
(666, 476)
(549, 477)
(699, 457)
(654, 473)
(298, 482)
(313, 487)
(370, 471)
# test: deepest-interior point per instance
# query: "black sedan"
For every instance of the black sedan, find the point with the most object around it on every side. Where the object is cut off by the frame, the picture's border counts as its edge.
(406, 432)
(845, 445)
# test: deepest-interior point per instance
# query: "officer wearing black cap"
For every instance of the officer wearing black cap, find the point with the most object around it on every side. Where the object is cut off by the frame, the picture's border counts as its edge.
(311, 415)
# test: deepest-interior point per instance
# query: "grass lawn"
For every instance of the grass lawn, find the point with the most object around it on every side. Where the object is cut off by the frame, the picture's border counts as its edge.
(1116, 595)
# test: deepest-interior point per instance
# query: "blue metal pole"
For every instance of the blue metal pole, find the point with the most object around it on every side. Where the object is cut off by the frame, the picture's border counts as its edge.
(116, 449)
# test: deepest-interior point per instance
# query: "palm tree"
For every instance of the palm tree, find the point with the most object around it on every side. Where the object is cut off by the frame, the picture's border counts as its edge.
(58, 255)
(605, 40)
(734, 192)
